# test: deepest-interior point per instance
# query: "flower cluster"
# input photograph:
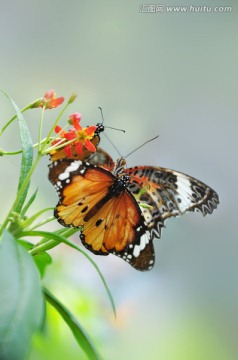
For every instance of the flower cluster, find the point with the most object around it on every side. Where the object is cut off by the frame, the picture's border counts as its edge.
(77, 137)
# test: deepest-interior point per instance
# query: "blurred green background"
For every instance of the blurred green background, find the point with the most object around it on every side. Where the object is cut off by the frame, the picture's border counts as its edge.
(172, 74)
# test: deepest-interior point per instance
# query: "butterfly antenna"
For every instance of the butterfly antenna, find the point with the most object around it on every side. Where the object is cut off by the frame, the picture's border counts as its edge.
(109, 127)
(146, 142)
(101, 114)
(113, 145)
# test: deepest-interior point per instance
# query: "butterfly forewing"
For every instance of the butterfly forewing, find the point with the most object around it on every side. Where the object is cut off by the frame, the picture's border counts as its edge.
(79, 187)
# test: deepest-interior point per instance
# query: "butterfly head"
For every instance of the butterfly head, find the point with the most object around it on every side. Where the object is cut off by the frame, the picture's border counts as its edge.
(119, 167)
(99, 129)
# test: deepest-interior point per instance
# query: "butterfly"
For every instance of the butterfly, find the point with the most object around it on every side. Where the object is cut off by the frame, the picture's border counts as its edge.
(61, 154)
(121, 211)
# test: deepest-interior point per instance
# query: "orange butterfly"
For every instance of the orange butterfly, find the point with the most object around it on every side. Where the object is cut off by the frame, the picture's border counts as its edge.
(122, 211)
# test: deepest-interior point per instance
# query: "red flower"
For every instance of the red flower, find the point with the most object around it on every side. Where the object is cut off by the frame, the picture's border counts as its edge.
(50, 100)
(81, 136)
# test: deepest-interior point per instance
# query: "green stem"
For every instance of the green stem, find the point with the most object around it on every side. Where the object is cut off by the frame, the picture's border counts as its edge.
(31, 219)
(61, 232)
(40, 129)
(53, 126)
(19, 194)
(49, 244)
(68, 231)
(43, 222)
(15, 116)
(10, 152)
(2, 152)
(54, 147)
(45, 244)
(8, 123)
(43, 141)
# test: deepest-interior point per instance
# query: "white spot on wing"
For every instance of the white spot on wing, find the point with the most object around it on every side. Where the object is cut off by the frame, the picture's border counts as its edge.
(136, 251)
(184, 192)
(72, 167)
(144, 240)
(63, 176)
(146, 213)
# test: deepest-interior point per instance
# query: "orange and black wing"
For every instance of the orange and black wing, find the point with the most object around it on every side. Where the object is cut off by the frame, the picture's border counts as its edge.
(94, 199)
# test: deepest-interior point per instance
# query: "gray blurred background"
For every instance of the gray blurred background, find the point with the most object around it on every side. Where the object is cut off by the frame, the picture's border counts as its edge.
(167, 73)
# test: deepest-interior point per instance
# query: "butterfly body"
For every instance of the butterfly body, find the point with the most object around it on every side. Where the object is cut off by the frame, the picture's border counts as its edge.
(122, 210)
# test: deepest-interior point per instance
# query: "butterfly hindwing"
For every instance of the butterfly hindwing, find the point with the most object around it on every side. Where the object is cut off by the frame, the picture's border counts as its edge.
(140, 254)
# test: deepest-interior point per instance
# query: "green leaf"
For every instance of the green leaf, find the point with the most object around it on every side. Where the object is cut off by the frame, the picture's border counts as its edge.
(42, 260)
(55, 238)
(27, 153)
(79, 333)
(21, 300)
